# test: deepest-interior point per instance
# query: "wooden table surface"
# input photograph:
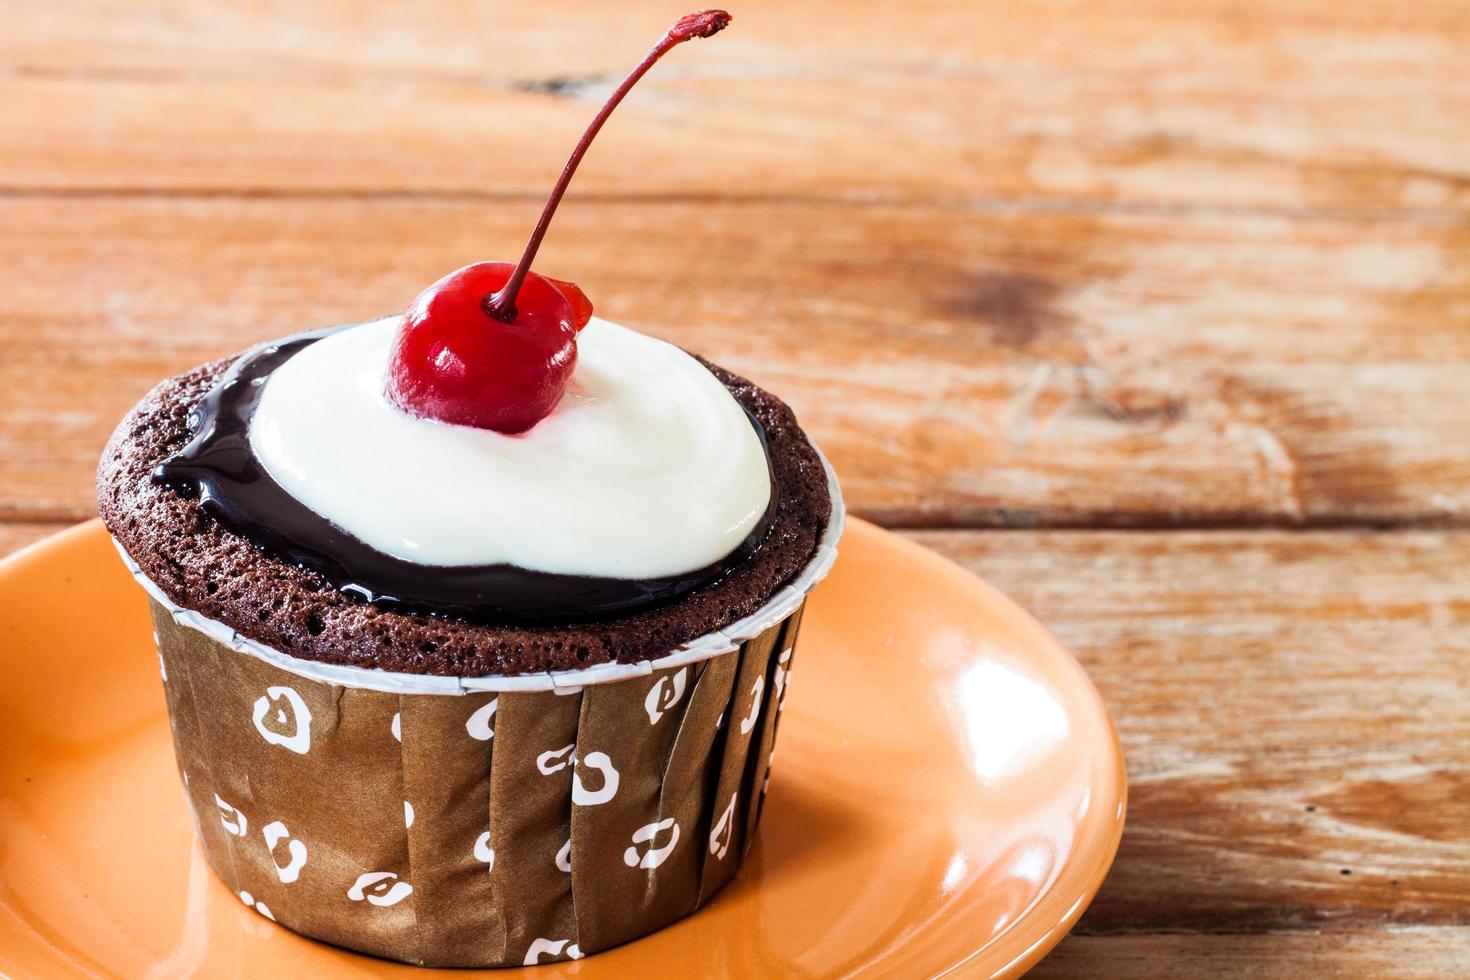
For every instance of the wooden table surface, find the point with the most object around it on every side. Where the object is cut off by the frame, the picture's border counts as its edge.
(1155, 313)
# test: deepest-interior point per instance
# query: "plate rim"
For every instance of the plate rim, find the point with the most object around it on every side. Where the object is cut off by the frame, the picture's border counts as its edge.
(1042, 926)
(1103, 852)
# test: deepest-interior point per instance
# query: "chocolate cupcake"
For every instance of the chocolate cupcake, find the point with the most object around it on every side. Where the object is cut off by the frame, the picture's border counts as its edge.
(475, 624)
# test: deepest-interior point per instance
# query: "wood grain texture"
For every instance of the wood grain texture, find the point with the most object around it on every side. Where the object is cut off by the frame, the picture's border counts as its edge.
(1053, 264)
(1292, 707)
(1406, 953)
(1160, 103)
(1293, 710)
(960, 367)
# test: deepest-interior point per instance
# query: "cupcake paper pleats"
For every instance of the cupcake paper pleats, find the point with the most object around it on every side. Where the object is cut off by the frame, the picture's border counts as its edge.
(480, 829)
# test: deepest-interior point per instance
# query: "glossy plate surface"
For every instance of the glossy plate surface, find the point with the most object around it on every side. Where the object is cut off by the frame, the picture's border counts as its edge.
(948, 793)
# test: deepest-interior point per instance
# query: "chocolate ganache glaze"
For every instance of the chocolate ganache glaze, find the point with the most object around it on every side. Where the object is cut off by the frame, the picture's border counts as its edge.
(220, 468)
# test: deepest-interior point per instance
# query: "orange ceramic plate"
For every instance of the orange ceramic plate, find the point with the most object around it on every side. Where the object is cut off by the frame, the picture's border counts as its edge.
(948, 797)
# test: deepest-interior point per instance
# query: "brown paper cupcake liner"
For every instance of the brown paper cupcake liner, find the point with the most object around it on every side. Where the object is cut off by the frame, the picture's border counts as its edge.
(518, 820)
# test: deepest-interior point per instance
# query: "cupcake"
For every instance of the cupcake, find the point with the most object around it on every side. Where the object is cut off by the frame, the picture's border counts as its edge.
(475, 624)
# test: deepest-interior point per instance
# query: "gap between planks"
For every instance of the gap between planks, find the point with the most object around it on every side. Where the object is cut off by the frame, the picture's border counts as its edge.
(1019, 205)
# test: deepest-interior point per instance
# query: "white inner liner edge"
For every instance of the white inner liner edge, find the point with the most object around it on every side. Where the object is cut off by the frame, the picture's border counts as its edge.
(784, 602)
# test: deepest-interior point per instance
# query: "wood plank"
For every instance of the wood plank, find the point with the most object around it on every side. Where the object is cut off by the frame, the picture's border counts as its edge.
(460, 37)
(960, 367)
(15, 535)
(1159, 104)
(1292, 707)
(1131, 262)
(1433, 953)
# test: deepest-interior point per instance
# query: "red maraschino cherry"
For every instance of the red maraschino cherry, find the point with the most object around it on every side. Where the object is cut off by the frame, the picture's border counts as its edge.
(493, 345)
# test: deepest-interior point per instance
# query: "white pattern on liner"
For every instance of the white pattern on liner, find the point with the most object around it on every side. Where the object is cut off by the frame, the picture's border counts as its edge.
(780, 605)
(648, 467)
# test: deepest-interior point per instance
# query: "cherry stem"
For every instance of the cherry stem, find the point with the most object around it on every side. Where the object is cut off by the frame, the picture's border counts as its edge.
(501, 304)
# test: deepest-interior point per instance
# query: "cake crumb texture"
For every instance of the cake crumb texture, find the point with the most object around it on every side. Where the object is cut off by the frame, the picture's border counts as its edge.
(202, 565)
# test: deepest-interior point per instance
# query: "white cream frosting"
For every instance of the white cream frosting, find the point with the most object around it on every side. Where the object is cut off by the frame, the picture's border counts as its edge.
(647, 468)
